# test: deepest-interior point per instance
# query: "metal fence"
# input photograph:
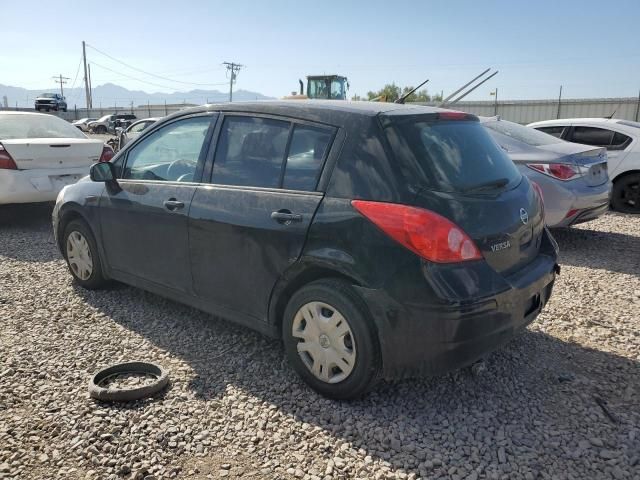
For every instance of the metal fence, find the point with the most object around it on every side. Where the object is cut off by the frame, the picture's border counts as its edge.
(521, 111)
(527, 111)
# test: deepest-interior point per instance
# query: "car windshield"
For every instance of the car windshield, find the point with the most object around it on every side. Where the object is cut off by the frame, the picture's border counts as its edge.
(105, 118)
(453, 156)
(36, 126)
(528, 135)
(48, 95)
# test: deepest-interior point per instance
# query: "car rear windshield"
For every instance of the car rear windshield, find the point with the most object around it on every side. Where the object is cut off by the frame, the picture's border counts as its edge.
(528, 135)
(452, 155)
(36, 126)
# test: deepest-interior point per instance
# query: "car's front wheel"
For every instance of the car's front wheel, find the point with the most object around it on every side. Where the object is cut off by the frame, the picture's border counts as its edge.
(101, 129)
(330, 339)
(625, 195)
(81, 253)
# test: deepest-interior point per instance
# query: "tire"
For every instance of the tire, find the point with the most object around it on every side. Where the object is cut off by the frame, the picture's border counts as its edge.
(77, 235)
(358, 349)
(101, 129)
(97, 391)
(46, 109)
(64, 109)
(625, 194)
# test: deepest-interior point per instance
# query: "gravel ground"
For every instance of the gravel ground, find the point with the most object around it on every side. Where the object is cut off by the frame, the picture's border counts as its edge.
(560, 401)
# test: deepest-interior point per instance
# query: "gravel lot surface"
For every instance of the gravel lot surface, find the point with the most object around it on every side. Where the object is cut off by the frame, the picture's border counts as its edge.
(560, 401)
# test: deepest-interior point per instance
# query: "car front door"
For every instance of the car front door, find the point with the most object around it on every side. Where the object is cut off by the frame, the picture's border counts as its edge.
(250, 223)
(144, 221)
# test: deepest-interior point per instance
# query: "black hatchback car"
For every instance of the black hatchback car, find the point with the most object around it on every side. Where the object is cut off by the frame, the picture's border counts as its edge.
(377, 240)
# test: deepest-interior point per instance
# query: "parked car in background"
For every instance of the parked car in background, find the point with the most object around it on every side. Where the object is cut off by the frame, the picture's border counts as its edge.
(376, 239)
(82, 124)
(40, 154)
(51, 101)
(105, 123)
(573, 177)
(134, 130)
(620, 138)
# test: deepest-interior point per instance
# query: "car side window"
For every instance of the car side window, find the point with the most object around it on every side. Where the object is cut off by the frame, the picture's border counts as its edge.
(556, 131)
(620, 141)
(170, 153)
(308, 148)
(250, 152)
(138, 127)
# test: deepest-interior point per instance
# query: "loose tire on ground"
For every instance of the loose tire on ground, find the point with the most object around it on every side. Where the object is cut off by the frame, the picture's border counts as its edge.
(128, 394)
(625, 194)
(354, 372)
(77, 237)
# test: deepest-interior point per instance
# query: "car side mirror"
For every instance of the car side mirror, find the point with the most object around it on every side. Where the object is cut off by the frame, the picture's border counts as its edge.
(103, 172)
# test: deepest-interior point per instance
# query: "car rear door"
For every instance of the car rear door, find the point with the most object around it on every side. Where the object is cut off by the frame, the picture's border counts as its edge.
(144, 221)
(250, 223)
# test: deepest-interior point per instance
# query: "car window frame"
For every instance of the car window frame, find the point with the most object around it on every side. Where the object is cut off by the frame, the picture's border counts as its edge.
(204, 150)
(207, 177)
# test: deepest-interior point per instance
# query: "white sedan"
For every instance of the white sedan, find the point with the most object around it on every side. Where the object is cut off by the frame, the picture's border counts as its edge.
(621, 138)
(40, 154)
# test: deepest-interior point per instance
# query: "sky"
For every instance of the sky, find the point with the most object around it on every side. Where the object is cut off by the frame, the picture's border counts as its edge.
(588, 47)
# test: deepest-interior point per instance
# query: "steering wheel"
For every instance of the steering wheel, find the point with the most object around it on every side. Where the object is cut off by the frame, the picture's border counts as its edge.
(179, 168)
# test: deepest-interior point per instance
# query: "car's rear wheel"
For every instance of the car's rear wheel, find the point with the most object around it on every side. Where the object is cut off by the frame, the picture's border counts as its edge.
(81, 253)
(330, 339)
(625, 195)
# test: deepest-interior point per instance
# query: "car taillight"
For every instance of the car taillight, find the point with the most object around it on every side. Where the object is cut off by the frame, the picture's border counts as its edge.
(539, 194)
(6, 161)
(561, 171)
(453, 115)
(425, 233)
(107, 154)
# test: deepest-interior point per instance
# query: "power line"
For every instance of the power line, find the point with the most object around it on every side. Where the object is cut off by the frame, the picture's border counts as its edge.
(135, 78)
(152, 74)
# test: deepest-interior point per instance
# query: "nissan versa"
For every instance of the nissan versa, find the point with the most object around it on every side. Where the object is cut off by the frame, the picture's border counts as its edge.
(377, 240)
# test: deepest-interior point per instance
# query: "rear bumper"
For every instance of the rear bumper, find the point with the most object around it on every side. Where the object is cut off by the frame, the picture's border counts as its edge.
(418, 338)
(560, 198)
(587, 214)
(37, 185)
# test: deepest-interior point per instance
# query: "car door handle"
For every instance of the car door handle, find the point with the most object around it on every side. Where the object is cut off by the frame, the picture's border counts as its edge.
(173, 204)
(285, 217)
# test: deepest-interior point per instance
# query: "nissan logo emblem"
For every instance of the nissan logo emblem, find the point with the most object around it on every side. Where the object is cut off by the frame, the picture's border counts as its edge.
(524, 216)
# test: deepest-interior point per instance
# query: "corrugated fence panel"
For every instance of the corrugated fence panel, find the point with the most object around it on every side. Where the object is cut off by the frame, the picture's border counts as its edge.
(528, 111)
(520, 111)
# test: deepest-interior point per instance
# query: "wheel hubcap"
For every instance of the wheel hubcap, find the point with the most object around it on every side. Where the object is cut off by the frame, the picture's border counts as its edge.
(326, 344)
(79, 255)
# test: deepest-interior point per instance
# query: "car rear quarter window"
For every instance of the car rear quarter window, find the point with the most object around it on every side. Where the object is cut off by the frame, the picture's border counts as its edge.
(453, 156)
(599, 137)
(307, 151)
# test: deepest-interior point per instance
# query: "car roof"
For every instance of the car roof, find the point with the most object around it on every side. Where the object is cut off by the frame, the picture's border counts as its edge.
(327, 111)
(18, 112)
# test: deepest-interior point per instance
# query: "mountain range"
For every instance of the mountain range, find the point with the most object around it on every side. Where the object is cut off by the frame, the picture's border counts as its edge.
(109, 95)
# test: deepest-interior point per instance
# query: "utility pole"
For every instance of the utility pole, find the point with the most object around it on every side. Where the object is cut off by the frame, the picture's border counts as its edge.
(61, 80)
(90, 87)
(495, 101)
(559, 102)
(234, 68)
(86, 77)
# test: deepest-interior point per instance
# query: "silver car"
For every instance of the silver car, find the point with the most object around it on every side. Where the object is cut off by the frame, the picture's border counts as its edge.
(573, 177)
(134, 130)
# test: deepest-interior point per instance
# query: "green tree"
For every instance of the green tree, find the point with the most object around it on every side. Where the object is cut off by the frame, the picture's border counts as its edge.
(390, 91)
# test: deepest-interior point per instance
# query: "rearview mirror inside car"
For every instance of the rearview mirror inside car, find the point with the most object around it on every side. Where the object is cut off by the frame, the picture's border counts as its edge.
(102, 172)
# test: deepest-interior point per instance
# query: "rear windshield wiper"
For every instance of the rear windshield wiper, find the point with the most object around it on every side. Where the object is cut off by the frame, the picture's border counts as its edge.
(490, 185)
